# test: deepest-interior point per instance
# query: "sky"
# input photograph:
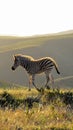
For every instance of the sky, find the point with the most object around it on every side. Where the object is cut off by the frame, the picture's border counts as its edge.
(34, 17)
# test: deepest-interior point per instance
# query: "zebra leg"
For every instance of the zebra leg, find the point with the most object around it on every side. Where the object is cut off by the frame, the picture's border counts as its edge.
(33, 78)
(30, 82)
(47, 80)
(51, 79)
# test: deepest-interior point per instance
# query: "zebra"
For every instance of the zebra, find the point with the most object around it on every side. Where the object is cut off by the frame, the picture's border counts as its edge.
(36, 66)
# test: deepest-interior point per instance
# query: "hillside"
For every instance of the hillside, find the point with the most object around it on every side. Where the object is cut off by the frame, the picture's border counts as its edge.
(46, 109)
(9, 43)
(58, 46)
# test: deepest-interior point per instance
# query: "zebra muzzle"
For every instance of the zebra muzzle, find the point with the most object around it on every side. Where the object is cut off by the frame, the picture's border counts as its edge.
(13, 68)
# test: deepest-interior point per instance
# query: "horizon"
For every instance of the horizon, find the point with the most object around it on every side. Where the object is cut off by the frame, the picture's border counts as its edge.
(38, 35)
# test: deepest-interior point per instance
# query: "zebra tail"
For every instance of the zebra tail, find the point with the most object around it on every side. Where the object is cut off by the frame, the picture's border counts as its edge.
(56, 67)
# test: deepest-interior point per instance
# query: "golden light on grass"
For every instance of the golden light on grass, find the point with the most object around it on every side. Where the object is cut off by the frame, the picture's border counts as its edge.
(49, 116)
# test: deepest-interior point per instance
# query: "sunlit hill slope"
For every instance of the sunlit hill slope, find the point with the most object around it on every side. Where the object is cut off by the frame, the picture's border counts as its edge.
(59, 46)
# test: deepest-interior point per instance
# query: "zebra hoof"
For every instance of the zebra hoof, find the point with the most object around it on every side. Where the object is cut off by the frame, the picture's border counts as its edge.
(47, 87)
(29, 89)
(41, 90)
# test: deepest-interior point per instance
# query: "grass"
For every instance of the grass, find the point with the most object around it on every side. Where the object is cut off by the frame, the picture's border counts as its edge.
(52, 111)
(46, 119)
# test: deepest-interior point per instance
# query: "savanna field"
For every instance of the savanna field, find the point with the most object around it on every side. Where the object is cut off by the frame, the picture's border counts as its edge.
(21, 109)
(47, 109)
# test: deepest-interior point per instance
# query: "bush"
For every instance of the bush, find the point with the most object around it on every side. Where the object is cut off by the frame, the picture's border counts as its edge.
(7, 100)
(49, 97)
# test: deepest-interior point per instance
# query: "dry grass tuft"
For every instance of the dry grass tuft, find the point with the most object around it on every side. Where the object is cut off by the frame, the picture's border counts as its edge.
(52, 110)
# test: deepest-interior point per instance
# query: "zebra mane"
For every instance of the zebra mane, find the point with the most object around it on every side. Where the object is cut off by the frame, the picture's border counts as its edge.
(24, 56)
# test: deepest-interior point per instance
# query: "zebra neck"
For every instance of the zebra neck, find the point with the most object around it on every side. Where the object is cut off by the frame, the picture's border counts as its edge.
(25, 64)
(22, 63)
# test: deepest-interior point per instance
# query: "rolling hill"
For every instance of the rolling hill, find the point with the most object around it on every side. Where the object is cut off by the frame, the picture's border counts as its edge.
(59, 46)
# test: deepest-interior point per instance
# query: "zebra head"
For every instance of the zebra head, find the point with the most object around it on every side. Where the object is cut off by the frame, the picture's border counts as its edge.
(16, 62)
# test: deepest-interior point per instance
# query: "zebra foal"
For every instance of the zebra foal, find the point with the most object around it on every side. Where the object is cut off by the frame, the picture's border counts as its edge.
(33, 67)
